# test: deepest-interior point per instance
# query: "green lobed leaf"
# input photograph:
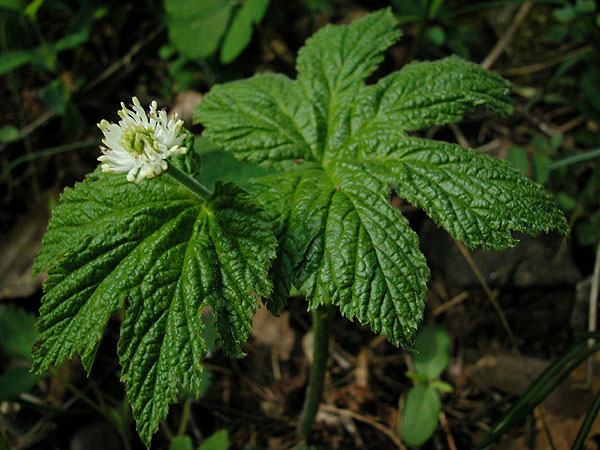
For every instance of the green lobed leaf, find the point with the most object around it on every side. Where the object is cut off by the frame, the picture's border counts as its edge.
(343, 146)
(337, 59)
(160, 252)
(476, 198)
(427, 93)
(263, 119)
(352, 244)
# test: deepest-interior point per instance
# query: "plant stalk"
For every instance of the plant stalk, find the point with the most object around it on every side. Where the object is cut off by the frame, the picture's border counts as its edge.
(188, 182)
(321, 326)
(185, 416)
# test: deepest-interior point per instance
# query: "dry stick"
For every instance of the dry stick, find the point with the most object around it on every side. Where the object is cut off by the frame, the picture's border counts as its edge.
(593, 314)
(446, 428)
(571, 124)
(532, 68)
(125, 60)
(35, 124)
(507, 328)
(450, 303)
(503, 42)
(460, 137)
(385, 430)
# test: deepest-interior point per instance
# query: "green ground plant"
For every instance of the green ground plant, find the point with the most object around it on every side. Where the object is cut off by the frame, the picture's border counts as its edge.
(163, 247)
(198, 28)
(423, 403)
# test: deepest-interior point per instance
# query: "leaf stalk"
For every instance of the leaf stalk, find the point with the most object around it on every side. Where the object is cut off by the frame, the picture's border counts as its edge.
(322, 317)
(188, 182)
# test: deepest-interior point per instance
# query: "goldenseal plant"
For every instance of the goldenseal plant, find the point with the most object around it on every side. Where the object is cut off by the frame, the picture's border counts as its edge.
(141, 235)
(342, 145)
(161, 248)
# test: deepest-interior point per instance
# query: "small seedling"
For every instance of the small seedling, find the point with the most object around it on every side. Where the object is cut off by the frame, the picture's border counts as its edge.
(423, 404)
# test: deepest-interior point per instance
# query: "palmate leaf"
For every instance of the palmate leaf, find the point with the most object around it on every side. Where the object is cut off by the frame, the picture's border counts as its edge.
(157, 250)
(343, 146)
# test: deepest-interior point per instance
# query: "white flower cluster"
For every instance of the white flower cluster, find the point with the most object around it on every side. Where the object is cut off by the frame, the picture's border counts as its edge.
(140, 144)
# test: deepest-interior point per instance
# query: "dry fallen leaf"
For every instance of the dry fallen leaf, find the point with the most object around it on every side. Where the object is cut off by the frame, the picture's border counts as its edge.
(19, 249)
(274, 332)
(185, 104)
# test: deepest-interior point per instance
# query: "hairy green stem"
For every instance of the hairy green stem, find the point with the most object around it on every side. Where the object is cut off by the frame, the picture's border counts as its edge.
(185, 416)
(586, 156)
(321, 325)
(188, 182)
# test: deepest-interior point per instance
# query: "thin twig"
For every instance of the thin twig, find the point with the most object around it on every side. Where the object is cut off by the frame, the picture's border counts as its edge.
(458, 134)
(571, 124)
(593, 314)
(40, 120)
(446, 428)
(47, 152)
(450, 303)
(125, 60)
(490, 146)
(532, 68)
(385, 430)
(503, 42)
